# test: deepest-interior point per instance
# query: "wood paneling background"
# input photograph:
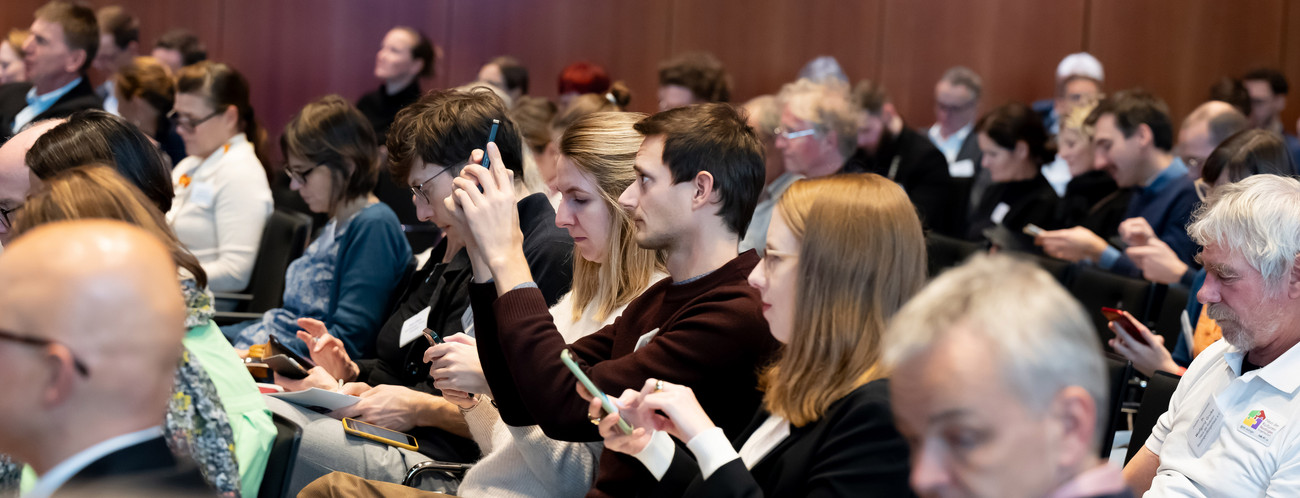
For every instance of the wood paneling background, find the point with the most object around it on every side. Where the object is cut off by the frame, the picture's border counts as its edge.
(296, 50)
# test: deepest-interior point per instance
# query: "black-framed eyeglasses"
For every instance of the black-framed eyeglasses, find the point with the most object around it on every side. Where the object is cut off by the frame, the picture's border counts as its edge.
(183, 121)
(418, 190)
(300, 176)
(41, 343)
(7, 216)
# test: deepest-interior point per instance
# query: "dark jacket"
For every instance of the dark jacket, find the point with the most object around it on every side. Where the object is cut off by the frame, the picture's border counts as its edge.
(144, 469)
(912, 161)
(1027, 201)
(13, 99)
(381, 109)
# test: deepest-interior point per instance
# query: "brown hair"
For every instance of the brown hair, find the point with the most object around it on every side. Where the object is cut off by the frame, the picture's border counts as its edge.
(444, 127)
(861, 256)
(97, 191)
(423, 50)
(580, 106)
(124, 27)
(221, 86)
(701, 73)
(16, 38)
(80, 30)
(603, 147)
(533, 115)
(149, 79)
(332, 133)
(93, 136)
(1247, 153)
(186, 43)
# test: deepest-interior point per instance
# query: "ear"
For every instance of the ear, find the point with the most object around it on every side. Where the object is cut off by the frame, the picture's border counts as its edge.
(1293, 279)
(62, 373)
(230, 117)
(1075, 413)
(75, 59)
(1144, 135)
(704, 194)
(1021, 151)
(888, 112)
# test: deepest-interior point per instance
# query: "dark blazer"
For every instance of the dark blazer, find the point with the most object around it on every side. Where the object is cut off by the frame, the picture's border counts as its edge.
(1028, 201)
(971, 189)
(146, 468)
(13, 99)
(853, 450)
(912, 161)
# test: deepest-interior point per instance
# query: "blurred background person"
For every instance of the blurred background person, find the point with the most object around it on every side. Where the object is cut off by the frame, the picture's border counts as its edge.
(146, 94)
(508, 74)
(693, 78)
(119, 41)
(12, 68)
(178, 48)
(1014, 145)
(582, 77)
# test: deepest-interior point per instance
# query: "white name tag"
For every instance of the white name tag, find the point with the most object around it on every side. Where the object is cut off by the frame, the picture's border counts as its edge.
(413, 327)
(202, 194)
(1260, 426)
(964, 168)
(1206, 428)
(999, 212)
(645, 339)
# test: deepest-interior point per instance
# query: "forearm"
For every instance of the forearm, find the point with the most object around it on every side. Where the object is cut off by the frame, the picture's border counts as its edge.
(496, 370)
(433, 411)
(510, 270)
(1141, 470)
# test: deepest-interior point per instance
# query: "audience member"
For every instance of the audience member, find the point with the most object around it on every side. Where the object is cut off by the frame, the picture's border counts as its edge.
(12, 68)
(699, 172)
(1204, 129)
(15, 177)
(95, 136)
(213, 387)
(508, 74)
(1232, 91)
(956, 105)
(119, 41)
(1014, 147)
(692, 78)
(178, 48)
(1025, 419)
(346, 276)
(580, 106)
(1247, 153)
(146, 94)
(1268, 89)
(822, 69)
(582, 77)
(827, 298)
(62, 45)
(1133, 137)
(887, 147)
(222, 195)
(818, 130)
(533, 116)
(1223, 433)
(1079, 80)
(1091, 200)
(87, 414)
(763, 114)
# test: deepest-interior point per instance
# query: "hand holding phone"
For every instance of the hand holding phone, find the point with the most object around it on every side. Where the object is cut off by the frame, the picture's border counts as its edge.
(1126, 324)
(595, 392)
(1032, 230)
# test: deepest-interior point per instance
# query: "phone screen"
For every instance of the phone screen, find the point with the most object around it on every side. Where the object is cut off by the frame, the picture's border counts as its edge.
(375, 430)
(1125, 323)
(278, 347)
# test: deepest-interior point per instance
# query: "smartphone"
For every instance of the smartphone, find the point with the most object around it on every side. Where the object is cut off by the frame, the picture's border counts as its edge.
(433, 337)
(377, 433)
(1125, 323)
(591, 388)
(492, 137)
(1032, 230)
(286, 366)
(278, 348)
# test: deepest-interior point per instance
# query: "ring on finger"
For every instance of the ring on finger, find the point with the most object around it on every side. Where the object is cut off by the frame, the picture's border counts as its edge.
(594, 420)
(659, 385)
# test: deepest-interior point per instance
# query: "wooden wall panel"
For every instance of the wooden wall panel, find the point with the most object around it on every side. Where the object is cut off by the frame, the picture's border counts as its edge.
(1178, 48)
(627, 38)
(764, 43)
(1014, 45)
(1291, 62)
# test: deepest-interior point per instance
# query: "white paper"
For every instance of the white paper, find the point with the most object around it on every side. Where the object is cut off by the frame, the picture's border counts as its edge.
(1000, 211)
(413, 327)
(645, 339)
(318, 398)
(964, 168)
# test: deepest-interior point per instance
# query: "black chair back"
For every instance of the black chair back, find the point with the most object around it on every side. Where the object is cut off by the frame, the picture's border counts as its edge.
(945, 252)
(1155, 401)
(1118, 371)
(1098, 288)
(279, 465)
(1167, 313)
(283, 240)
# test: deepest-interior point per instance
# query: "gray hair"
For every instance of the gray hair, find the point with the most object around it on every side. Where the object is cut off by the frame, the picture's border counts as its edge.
(827, 105)
(1258, 217)
(1039, 335)
(767, 113)
(964, 76)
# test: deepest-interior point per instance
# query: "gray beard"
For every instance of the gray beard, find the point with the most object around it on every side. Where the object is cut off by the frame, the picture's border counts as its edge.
(1233, 332)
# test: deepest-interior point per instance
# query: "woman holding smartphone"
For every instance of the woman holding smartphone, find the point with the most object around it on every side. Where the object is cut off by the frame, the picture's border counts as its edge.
(843, 254)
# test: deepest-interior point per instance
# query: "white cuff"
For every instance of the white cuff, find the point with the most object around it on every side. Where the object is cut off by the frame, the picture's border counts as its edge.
(658, 454)
(712, 450)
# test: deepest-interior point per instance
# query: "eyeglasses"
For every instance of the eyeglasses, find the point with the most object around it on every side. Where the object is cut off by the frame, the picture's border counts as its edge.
(772, 258)
(7, 217)
(791, 135)
(1202, 189)
(183, 121)
(1193, 163)
(39, 342)
(953, 109)
(418, 190)
(300, 176)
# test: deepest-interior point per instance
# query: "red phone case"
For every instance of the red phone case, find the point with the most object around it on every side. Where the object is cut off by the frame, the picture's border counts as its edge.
(1125, 323)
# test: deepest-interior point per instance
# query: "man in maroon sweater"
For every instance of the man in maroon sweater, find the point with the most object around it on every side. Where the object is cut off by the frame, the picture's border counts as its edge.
(699, 173)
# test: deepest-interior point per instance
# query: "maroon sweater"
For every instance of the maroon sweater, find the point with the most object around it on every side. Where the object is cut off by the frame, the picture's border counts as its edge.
(710, 336)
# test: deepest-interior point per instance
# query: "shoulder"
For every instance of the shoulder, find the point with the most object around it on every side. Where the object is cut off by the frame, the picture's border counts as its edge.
(377, 213)
(869, 401)
(9, 90)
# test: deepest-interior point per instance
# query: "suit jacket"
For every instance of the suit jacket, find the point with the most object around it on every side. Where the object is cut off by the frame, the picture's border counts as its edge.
(13, 99)
(853, 450)
(912, 161)
(143, 469)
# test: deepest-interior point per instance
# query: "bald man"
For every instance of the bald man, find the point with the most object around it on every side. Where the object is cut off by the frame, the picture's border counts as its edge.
(1204, 129)
(91, 321)
(15, 177)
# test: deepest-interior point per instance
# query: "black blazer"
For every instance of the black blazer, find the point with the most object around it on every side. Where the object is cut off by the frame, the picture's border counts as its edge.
(13, 99)
(853, 450)
(912, 161)
(148, 467)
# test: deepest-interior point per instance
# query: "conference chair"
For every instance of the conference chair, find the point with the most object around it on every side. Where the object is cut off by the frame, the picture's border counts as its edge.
(1096, 289)
(1119, 370)
(284, 239)
(1155, 401)
(279, 466)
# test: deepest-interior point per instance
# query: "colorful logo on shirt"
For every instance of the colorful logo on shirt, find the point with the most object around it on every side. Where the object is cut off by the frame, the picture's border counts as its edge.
(1254, 419)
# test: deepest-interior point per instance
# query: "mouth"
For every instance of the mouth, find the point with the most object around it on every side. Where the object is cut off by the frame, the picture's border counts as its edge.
(766, 307)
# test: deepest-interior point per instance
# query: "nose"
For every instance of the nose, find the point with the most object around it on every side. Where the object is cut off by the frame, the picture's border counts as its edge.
(423, 210)
(628, 198)
(563, 215)
(293, 184)
(758, 277)
(1099, 160)
(928, 475)
(1209, 293)
(27, 45)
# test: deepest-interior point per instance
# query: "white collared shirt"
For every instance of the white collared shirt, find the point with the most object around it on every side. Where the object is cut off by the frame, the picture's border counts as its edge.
(59, 475)
(950, 146)
(1252, 450)
(37, 104)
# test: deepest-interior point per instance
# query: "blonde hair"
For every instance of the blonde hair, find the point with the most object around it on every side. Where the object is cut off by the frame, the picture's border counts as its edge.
(603, 147)
(1077, 120)
(861, 256)
(828, 106)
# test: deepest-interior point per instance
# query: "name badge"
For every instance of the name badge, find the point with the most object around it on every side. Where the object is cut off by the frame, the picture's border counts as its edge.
(1260, 426)
(645, 339)
(202, 194)
(1206, 428)
(467, 321)
(1000, 211)
(413, 327)
(964, 168)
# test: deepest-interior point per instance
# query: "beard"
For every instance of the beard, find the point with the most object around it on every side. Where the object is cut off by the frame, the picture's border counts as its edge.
(1230, 324)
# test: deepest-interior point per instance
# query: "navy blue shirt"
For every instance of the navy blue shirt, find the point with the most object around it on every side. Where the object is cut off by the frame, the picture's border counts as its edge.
(1167, 205)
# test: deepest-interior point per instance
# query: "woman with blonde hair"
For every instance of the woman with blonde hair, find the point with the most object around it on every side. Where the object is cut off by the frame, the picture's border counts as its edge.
(843, 254)
(217, 415)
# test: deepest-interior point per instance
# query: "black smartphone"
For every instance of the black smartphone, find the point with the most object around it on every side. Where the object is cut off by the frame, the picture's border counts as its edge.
(278, 347)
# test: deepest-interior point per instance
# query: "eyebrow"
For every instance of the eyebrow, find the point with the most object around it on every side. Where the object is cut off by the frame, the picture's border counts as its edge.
(637, 168)
(949, 414)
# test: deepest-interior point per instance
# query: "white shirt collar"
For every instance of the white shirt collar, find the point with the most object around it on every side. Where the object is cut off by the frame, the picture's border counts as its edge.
(1283, 373)
(959, 137)
(59, 475)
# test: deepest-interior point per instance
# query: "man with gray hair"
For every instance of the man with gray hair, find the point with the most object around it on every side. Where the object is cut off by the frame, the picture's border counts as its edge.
(1228, 428)
(999, 386)
(956, 105)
